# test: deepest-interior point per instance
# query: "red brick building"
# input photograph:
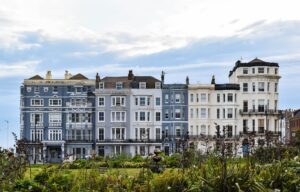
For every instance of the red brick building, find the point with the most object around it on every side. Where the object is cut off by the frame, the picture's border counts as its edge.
(295, 127)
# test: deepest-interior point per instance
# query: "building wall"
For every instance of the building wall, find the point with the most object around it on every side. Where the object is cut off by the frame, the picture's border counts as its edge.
(50, 100)
(174, 116)
(294, 123)
(148, 116)
(152, 123)
(209, 108)
(262, 101)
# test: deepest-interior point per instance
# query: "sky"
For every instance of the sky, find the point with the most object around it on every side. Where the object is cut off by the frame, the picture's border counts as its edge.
(195, 38)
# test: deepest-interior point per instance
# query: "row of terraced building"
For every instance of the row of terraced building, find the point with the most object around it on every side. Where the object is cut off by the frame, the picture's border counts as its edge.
(81, 117)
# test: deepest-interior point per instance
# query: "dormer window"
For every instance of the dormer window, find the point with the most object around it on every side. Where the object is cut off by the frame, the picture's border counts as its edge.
(101, 85)
(157, 85)
(119, 85)
(142, 85)
(245, 70)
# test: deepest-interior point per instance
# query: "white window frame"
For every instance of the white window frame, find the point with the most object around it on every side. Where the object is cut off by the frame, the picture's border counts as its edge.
(101, 128)
(101, 85)
(37, 134)
(191, 97)
(178, 131)
(177, 98)
(100, 103)
(157, 114)
(261, 86)
(157, 101)
(114, 135)
(157, 85)
(261, 70)
(229, 112)
(41, 102)
(55, 118)
(122, 116)
(37, 89)
(99, 116)
(119, 85)
(177, 111)
(32, 117)
(55, 134)
(114, 101)
(228, 96)
(55, 89)
(59, 103)
(203, 114)
(166, 98)
(142, 85)
(141, 116)
(203, 97)
(245, 87)
(140, 101)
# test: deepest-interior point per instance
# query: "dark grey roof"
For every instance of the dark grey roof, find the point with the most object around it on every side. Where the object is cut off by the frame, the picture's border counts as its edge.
(36, 77)
(175, 86)
(297, 113)
(227, 86)
(110, 82)
(78, 76)
(150, 81)
(254, 63)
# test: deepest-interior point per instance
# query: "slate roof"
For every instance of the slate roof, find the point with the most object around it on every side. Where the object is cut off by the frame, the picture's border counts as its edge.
(110, 82)
(254, 63)
(79, 76)
(36, 77)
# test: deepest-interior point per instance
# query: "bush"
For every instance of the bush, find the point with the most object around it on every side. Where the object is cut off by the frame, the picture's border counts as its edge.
(170, 181)
(26, 185)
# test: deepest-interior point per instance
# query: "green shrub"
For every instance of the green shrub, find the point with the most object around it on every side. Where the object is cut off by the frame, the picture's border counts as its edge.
(26, 185)
(170, 181)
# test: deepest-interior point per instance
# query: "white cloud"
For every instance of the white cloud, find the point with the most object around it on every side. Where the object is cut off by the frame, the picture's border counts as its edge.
(154, 26)
(18, 68)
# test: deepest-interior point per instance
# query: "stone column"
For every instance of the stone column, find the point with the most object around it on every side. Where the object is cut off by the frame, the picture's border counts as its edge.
(62, 151)
(44, 152)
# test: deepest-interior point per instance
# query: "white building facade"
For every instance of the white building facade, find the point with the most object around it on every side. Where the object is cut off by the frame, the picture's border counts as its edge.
(246, 108)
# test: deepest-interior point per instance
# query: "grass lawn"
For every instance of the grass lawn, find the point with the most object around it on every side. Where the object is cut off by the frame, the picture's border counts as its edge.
(35, 169)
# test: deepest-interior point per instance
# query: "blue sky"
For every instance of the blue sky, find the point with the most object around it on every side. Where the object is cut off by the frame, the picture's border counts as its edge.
(195, 38)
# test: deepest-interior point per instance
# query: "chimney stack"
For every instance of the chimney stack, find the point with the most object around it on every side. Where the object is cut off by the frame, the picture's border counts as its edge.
(213, 80)
(97, 81)
(48, 75)
(187, 80)
(130, 75)
(67, 75)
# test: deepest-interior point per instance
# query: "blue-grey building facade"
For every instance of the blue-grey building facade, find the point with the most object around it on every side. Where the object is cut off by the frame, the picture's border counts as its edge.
(57, 117)
(174, 116)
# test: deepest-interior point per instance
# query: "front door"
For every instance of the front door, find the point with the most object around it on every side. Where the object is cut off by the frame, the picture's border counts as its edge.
(54, 155)
(167, 150)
